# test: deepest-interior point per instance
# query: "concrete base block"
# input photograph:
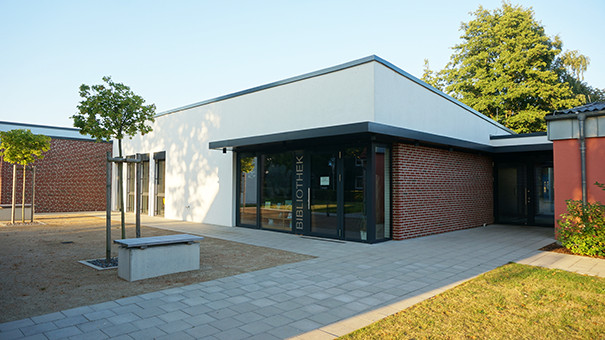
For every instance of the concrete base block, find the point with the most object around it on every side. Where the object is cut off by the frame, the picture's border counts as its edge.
(5, 213)
(137, 264)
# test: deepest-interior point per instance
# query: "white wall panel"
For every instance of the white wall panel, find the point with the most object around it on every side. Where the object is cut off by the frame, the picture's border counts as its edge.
(403, 103)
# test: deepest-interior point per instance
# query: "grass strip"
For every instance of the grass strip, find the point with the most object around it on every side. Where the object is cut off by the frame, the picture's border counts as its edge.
(510, 302)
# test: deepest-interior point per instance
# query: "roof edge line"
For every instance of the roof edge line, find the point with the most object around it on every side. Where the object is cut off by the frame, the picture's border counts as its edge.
(40, 126)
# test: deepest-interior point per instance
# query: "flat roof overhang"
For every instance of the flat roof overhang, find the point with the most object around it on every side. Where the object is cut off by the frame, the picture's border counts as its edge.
(369, 128)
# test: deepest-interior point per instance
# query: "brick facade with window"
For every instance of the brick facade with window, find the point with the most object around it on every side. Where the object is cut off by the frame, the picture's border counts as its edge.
(71, 177)
(438, 190)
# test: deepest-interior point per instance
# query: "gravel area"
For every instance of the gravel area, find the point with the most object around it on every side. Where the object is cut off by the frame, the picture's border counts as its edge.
(40, 272)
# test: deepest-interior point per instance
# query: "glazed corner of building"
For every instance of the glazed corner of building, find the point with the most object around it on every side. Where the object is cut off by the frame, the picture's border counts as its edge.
(368, 103)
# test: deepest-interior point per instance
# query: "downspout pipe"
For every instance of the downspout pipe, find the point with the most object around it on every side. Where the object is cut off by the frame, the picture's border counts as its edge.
(581, 128)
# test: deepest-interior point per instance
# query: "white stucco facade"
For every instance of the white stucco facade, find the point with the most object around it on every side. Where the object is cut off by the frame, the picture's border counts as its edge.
(200, 183)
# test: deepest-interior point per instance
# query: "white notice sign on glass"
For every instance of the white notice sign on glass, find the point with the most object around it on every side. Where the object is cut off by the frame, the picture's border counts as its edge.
(324, 180)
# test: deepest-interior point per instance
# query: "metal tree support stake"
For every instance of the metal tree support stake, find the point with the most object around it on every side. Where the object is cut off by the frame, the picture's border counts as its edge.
(137, 198)
(13, 205)
(108, 211)
(33, 194)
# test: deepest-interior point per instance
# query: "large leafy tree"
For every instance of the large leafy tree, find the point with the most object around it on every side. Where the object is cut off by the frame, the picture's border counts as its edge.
(112, 111)
(22, 147)
(508, 69)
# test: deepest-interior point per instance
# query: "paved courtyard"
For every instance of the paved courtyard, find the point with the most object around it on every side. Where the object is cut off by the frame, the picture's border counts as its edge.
(347, 286)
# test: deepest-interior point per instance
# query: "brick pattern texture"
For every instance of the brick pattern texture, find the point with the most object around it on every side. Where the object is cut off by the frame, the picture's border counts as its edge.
(436, 191)
(71, 177)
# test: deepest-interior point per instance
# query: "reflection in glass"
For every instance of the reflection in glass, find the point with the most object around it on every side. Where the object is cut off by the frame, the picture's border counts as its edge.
(382, 187)
(160, 175)
(355, 162)
(324, 215)
(145, 187)
(512, 193)
(545, 205)
(248, 190)
(130, 182)
(276, 195)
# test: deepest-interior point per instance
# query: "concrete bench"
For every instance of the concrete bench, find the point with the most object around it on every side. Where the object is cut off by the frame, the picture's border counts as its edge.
(145, 257)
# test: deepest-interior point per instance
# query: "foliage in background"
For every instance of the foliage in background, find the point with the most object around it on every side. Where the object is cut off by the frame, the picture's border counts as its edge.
(508, 69)
(582, 227)
(22, 147)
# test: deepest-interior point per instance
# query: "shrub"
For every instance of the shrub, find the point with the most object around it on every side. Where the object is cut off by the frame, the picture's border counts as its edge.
(582, 228)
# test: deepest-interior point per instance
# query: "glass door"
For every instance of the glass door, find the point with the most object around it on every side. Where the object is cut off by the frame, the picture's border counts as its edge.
(513, 195)
(323, 191)
(545, 204)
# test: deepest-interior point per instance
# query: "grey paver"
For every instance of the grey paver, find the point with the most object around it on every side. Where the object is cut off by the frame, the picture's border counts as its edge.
(38, 328)
(94, 335)
(48, 317)
(7, 326)
(225, 323)
(62, 333)
(232, 334)
(147, 333)
(202, 331)
(70, 321)
(90, 326)
(98, 315)
(116, 330)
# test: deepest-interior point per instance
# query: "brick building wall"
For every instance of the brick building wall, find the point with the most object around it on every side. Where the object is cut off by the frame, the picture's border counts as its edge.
(71, 177)
(437, 190)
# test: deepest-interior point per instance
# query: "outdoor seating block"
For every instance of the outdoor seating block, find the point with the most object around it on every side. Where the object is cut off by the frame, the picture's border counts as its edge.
(146, 257)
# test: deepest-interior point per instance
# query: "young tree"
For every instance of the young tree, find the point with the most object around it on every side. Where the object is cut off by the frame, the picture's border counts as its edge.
(22, 147)
(508, 69)
(112, 111)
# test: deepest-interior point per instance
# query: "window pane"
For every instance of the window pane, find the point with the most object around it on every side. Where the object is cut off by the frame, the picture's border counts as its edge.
(160, 172)
(145, 186)
(382, 180)
(248, 190)
(276, 198)
(355, 162)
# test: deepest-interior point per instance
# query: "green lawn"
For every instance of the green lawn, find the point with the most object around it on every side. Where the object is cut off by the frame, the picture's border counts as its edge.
(511, 302)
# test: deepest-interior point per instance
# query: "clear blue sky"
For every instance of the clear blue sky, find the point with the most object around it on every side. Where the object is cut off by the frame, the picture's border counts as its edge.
(175, 53)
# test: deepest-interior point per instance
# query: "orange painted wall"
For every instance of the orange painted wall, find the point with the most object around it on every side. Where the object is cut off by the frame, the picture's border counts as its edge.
(568, 176)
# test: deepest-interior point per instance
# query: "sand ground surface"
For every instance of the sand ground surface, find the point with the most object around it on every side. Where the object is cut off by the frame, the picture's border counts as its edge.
(40, 272)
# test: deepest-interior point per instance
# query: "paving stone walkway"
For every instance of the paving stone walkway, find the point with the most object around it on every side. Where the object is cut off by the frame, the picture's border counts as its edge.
(348, 285)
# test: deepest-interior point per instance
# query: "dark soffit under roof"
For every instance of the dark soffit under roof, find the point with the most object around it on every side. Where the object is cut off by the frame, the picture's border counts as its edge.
(370, 128)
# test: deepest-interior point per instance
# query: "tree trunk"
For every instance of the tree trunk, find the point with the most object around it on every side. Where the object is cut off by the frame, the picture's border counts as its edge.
(121, 190)
(13, 203)
(23, 198)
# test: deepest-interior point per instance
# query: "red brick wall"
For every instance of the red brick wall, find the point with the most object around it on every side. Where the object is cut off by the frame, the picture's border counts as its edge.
(436, 191)
(568, 172)
(71, 177)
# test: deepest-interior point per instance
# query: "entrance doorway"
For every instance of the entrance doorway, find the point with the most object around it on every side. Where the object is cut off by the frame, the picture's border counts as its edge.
(324, 188)
(524, 190)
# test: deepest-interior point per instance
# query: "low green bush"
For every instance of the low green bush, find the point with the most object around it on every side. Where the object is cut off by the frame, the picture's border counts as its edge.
(582, 228)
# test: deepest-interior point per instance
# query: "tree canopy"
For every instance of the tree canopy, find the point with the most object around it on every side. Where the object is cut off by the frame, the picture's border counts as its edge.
(111, 111)
(22, 147)
(507, 68)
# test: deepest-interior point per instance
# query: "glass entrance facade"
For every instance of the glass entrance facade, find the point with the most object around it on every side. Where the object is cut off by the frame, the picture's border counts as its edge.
(340, 192)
